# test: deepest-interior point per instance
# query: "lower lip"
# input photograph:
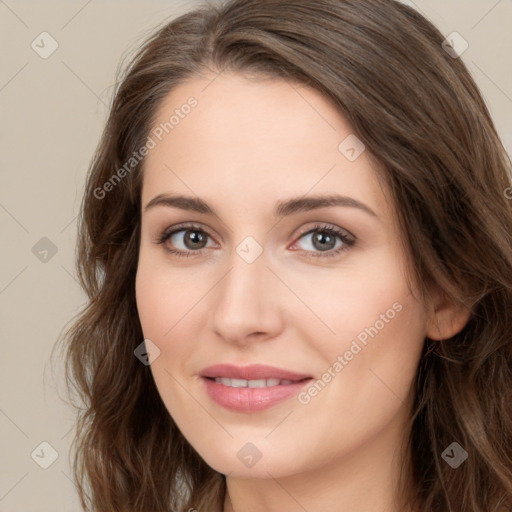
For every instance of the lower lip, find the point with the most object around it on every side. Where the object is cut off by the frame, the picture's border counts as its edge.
(251, 399)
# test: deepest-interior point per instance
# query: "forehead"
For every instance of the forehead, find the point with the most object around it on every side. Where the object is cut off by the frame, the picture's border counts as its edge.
(254, 139)
(236, 115)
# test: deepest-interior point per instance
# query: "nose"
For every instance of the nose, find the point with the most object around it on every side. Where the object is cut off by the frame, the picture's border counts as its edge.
(246, 302)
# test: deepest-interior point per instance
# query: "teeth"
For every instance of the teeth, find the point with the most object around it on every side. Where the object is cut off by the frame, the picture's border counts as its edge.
(260, 383)
(238, 383)
(256, 383)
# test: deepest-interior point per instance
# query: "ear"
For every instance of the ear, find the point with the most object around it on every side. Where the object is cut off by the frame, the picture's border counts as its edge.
(446, 318)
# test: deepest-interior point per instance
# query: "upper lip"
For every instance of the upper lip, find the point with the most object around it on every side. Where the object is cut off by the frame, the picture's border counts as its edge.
(251, 372)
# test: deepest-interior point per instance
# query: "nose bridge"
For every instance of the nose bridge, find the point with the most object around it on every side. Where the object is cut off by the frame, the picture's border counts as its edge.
(242, 285)
(244, 303)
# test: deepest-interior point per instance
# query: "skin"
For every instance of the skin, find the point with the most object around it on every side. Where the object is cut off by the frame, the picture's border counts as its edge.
(248, 144)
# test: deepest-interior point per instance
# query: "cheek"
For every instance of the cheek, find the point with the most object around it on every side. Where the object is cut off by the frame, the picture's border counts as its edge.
(370, 365)
(163, 297)
(382, 343)
(162, 307)
(377, 327)
(365, 292)
(152, 302)
(171, 306)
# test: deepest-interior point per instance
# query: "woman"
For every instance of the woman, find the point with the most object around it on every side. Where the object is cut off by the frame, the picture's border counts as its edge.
(296, 241)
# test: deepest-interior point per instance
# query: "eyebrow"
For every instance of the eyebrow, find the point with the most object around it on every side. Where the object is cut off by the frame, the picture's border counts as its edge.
(281, 209)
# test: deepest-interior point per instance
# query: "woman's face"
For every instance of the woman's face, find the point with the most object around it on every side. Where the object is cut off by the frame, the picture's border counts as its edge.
(276, 276)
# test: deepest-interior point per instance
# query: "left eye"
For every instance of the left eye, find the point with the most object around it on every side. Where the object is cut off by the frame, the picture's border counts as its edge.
(192, 240)
(323, 241)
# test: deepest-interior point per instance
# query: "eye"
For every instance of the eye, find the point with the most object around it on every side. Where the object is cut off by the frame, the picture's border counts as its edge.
(190, 240)
(326, 241)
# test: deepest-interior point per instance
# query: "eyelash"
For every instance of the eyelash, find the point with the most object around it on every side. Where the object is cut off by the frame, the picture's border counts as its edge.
(348, 241)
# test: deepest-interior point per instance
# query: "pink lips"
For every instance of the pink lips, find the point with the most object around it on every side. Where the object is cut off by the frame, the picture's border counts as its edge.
(251, 399)
(251, 372)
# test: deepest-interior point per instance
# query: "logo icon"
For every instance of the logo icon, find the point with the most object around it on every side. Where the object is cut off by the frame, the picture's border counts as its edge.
(44, 250)
(147, 352)
(44, 45)
(454, 455)
(455, 45)
(249, 455)
(44, 455)
(249, 249)
(351, 147)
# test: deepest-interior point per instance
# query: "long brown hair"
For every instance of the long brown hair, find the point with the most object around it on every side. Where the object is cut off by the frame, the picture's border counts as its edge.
(420, 114)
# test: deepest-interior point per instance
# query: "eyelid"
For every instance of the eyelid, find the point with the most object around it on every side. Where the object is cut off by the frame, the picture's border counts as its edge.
(318, 226)
(183, 226)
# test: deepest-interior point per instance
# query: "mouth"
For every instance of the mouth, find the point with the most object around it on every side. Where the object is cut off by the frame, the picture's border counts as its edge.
(251, 388)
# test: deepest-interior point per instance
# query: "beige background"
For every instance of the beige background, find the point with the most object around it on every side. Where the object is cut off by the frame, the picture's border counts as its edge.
(52, 114)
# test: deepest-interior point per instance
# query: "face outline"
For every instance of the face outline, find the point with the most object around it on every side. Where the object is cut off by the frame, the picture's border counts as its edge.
(247, 145)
